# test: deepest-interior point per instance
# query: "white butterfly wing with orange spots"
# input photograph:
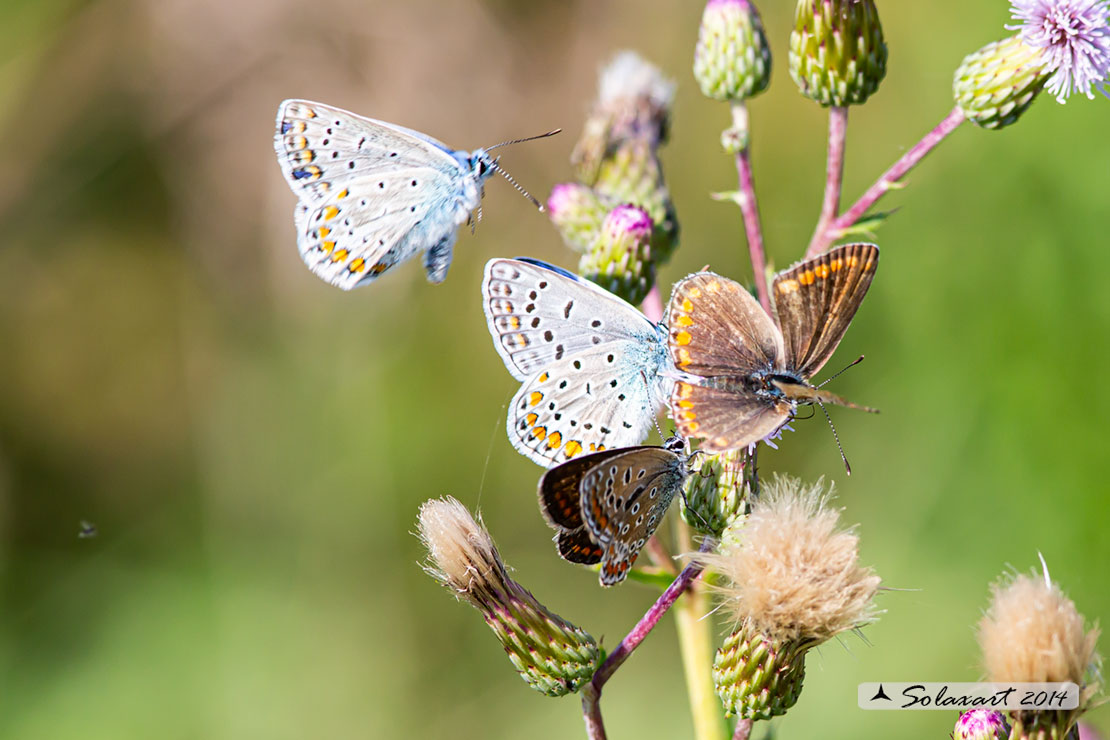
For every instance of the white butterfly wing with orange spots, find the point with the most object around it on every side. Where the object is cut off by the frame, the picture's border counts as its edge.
(594, 368)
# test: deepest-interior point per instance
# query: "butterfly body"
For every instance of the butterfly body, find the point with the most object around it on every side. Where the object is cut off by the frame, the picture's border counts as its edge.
(594, 370)
(606, 505)
(744, 374)
(373, 194)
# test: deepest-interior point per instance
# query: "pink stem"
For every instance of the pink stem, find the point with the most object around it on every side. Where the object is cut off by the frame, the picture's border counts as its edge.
(889, 179)
(743, 730)
(834, 171)
(591, 694)
(749, 207)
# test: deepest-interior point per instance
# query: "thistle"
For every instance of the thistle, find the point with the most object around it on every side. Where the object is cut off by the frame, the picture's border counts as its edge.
(619, 260)
(552, 655)
(1032, 632)
(617, 154)
(717, 493)
(1073, 38)
(837, 51)
(732, 60)
(996, 84)
(578, 212)
(792, 581)
(981, 724)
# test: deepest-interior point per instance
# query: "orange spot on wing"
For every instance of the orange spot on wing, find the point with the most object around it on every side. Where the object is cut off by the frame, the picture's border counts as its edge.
(836, 264)
(543, 378)
(684, 358)
(787, 286)
(342, 194)
(573, 448)
(531, 419)
(534, 397)
(328, 246)
(806, 278)
(323, 231)
(687, 306)
(514, 322)
(682, 338)
(358, 265)
(330, 212)
(554, 440)
(822, 271)
(340, 255)
(539, 432)
(683, 320)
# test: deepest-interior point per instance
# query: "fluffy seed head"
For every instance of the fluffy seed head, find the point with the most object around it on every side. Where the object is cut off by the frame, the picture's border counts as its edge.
(1033, 632)
(793, 574)
(462, 554)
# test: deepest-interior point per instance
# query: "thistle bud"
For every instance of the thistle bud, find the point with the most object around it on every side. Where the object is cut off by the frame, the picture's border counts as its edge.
(758, 678)
(577, 211)
(837, 51)
(620, 258)
(732, 60)
(790, 581)
(1032, 632)
(981, 724)
(552, 655)
(996, 84)
(633, 174)
(716, 494)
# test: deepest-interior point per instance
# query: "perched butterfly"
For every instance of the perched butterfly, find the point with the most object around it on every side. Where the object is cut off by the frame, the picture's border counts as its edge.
(606, 505)
(374, 194)
(592, 366)
(745, 374)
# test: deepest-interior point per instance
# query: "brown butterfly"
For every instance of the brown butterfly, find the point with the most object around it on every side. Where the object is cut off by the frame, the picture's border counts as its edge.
(606, 505)
(746, 374)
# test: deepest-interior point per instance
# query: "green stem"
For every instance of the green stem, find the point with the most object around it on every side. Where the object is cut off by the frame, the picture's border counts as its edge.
(695, 641)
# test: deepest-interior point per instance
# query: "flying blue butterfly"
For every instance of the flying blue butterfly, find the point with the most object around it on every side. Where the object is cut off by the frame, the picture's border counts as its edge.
(372, 193)
(594, 369)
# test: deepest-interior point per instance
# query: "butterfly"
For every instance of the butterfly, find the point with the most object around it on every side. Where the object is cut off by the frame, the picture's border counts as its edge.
(592, 366)
(373, 194)
(746, 374)
(606, 505)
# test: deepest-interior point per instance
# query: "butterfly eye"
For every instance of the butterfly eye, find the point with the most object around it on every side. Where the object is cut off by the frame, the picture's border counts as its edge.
(482, 167)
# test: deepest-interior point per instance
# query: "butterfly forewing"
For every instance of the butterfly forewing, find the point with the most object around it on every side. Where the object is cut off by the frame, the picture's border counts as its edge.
(538, 314)
(717, 328)
(624, 500)
(320, 147)
(816, 300)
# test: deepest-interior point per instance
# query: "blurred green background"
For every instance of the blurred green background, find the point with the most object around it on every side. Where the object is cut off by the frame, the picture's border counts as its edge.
(253, 444)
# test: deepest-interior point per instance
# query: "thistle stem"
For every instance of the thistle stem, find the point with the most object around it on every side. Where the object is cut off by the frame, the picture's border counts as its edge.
(749, 207)
(834, 172)
(887, 181)
(653, 309)
(743, 730)
(695, 641)
(591, 693)
(653, 305)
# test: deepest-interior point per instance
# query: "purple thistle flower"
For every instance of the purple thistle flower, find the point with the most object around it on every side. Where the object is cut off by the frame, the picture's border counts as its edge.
(1074, 38)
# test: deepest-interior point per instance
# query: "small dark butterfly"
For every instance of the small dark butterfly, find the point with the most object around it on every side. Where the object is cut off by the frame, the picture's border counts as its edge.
(606, 505)
(746, 374)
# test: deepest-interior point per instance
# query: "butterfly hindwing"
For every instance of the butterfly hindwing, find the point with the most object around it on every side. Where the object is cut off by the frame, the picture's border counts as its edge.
(538, 314)
(575, 546)
(725, 420)
(624, 499)
(369, 225)
(816, 300)
(717, 328)
(587, 403)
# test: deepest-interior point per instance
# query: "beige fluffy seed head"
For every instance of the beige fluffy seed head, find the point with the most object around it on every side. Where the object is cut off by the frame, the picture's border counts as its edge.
(793, 574)
(1033, 632)
(462, 554)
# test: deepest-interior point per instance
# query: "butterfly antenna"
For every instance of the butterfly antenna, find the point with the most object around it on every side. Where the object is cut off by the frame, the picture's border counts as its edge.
(837, 374)
(521, 141)
(517, 185)
(836, 436)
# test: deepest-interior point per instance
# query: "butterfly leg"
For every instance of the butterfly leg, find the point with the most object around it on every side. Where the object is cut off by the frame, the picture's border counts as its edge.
(438, 258)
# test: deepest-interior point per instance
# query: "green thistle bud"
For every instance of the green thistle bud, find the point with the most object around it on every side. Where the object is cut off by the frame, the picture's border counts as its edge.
(757, 678)
(633, 174)
(996, 84)
(552, 655)
(732, 60)
(577, 211)
(716, 494)
(837, 52)
(620, 258)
